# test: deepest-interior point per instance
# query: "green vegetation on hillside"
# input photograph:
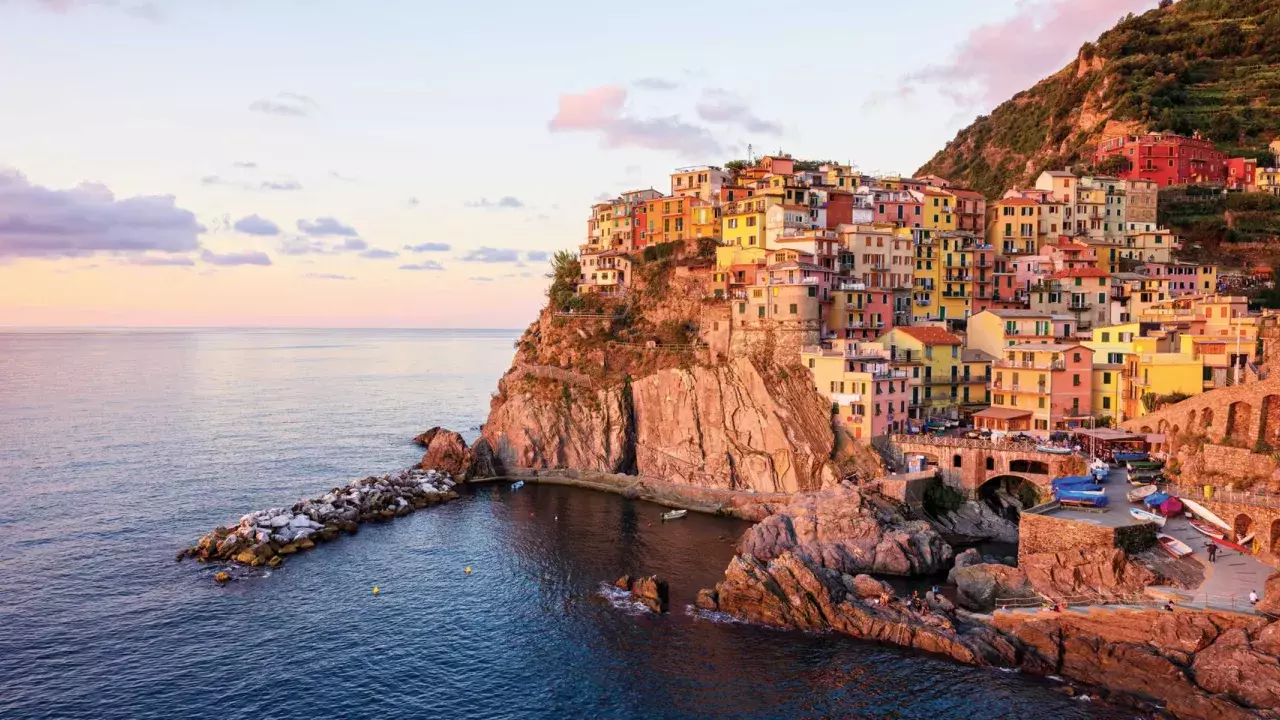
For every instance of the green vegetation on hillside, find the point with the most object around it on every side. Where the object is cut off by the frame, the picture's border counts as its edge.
(1207, 217)
(1207, 65)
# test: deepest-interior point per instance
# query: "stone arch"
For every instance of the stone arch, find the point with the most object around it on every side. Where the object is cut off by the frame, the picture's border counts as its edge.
(929, 458)
(1146, 429)
(998, 490)
(1242, 526)
(1172, 439)
(1206, 419)
(1240, 421)
(1031, 467)
(1191, 419)
(1270, 430)
(1162, 427)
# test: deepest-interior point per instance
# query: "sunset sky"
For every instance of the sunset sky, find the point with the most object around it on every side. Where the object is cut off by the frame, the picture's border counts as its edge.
(400, 163)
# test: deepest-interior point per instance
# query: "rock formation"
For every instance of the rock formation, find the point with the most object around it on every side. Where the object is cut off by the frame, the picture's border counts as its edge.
(978, 521)
(838, 529)
(446, 452)
(649, 591)
(266, 536)
(1270, 602)
(1098, 574)
(984, 586)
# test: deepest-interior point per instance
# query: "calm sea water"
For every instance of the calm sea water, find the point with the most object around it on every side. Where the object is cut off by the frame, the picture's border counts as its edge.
(117, 448)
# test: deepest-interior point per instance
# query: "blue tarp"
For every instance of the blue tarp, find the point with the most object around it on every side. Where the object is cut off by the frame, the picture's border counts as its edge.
(1073, 481)
(1155, 499)
(1099, 474)
(1124, 457)
(1094, 499)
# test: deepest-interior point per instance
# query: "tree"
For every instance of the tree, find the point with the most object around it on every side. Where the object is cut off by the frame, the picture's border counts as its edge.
(565, 273)
(707, 247)
(1113, 165)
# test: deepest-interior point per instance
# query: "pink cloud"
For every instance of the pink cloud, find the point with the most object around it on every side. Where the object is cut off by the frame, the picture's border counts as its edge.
(603, 110)
(999, 59)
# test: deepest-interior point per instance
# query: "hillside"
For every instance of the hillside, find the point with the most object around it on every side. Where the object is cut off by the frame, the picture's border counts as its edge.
(1207, 65)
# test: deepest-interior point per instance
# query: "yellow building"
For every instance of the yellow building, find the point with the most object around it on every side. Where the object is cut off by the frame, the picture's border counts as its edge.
(1268, 180)
(1130, 368)
(937, 368)
(705, 220)
(925, 279)
(939, 210)
(1013, 226)
(975, 375)
(868, 393)
(742, 225)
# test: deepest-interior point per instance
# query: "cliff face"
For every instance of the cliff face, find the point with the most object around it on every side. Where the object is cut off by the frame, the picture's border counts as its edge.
(733, 425)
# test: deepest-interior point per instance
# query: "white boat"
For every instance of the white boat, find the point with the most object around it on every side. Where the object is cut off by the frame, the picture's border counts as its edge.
(1207, 530)
(1144, 516)
(674, 514)
(1245, 540)
(517, 485)
(1174, 546)
(1054, 450)
(1139, 493)
(1204, 514)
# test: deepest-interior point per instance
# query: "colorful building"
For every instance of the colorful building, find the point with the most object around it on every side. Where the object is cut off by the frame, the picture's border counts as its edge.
(936, 364)
(868, 394)
(1040, 389)
(1165, 158)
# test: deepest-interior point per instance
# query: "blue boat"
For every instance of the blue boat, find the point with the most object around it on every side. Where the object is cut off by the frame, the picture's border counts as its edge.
(1123, 457)
(1073, 482)
(1082, 497)
(1155, 499)
(517, 485)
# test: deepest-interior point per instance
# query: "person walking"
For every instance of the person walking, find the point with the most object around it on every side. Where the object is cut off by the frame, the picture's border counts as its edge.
(1253, 597)
(1213, 552)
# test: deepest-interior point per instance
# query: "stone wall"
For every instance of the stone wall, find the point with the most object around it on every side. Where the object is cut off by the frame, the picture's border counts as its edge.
(967, 464)
(1048, 534)
(779, 342)
(715, 329)
(1245, 413)
(1221, 465)
(907, 488)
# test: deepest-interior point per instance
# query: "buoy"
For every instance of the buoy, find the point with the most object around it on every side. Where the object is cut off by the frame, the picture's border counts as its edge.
(375, 590)
(468, 571)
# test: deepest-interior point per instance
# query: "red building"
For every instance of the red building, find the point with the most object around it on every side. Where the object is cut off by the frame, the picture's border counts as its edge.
(1241, 173)
(1166, 159)
(839, 208)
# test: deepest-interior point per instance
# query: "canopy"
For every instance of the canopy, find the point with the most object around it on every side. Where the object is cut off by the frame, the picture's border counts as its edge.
(1073, 481)
(1171, 507)
(996, 413)
(1154, 500)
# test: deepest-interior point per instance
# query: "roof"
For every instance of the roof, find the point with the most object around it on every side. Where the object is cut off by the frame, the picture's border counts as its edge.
(976, 355)
(930, 335)
(1080, 273)
(1016, 201)
(1059, 173)
(1001, 413)
(789, 264)
(967, 194)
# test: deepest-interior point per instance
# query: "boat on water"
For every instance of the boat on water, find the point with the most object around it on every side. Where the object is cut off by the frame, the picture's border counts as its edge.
(1174, 546)
(517, 485)
(1139, 493)
(674, 514)
(1054, 450)
(1205, 528)
(1144, 516)
(1203, 513)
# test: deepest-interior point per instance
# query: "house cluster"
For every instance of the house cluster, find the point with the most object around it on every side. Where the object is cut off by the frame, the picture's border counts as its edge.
(912, 300)
(1170, 159)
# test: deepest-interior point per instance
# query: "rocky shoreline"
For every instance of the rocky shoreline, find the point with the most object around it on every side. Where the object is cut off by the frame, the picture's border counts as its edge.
(266, 537)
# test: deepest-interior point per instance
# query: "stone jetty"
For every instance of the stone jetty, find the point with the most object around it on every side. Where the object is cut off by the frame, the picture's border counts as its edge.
(265, 537)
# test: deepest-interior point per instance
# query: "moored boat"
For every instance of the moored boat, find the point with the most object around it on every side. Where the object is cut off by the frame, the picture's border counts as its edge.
(1054, 450)
(1174, 546)
(1238, 547)
(1144, 516)
(517, 485)
(674, 514)
(1206, 529)
(1141, 492)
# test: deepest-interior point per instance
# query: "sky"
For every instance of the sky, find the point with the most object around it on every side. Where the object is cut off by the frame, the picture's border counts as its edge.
(401, 163)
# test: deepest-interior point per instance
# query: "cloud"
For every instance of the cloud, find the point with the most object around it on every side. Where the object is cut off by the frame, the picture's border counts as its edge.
(379, 254)
(154, 261)
(340, 177)
(254, 225)
(281, 185)
(424, 265)
(327, 276)
(245, 165)
(284, 185)
(503, 203)
(604, 197)
(299, 245)
(482, 278)
(429, 247)
(326, 227)
(285, 104)
(537, 255)
(492, 255)
(999, 59)
(249, 257)
(351, 244)
(726, 108)
(40, 222)
(655, 83)
(602, 110)
(412, 202)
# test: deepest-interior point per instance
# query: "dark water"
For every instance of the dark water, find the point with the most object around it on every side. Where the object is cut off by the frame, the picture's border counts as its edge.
(118, 448)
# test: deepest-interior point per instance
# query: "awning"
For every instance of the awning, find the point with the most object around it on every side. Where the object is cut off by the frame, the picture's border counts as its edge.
(1107, 434)
(1001, 413)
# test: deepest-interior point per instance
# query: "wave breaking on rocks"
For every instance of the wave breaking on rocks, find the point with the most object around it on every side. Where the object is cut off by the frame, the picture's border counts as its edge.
(265, 537)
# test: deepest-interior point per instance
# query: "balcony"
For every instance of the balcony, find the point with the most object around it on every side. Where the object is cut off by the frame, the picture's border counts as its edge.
(924, 303)
(1021, 365)
(854, 286)
(890, 375)
(1079, 306)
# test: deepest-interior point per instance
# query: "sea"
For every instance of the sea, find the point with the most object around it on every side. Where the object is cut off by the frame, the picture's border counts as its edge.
(120, 447)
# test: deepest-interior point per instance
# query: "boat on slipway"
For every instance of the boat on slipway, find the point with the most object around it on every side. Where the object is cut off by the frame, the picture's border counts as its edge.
(1204, 514)
(1144, 516)
(1141, 492)
(1174, 546)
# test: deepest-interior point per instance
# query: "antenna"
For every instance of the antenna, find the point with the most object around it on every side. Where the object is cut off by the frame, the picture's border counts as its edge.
(750, 158)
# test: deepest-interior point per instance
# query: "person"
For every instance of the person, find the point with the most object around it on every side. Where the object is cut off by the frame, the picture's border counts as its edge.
(1253, 597)
(1213, 552)
(1168, 606)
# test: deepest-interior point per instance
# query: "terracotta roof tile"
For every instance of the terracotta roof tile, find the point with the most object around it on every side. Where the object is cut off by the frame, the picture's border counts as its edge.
(931, 335)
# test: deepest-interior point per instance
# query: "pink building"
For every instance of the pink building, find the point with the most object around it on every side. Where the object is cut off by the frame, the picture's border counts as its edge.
(1071, 388)
(898, 207)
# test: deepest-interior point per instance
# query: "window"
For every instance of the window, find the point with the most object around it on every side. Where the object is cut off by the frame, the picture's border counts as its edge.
(955, 461)
(1075, 380)
(1041, 403)
(1075, 357)
(793, 308)
(811, 363)
(742, 308)
(1106, 403)
(760, 311)
(1106, 337)
(813, 292)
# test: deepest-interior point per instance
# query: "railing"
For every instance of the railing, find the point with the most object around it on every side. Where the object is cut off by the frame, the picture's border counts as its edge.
(1231, 496)
(1001, 444)
(891, 375)
(852, 286)
(1019, 365)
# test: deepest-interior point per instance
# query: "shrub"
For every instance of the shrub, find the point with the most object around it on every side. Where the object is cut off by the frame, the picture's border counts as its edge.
(940, 499)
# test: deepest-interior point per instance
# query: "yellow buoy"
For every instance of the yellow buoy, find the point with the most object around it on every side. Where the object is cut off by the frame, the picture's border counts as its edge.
(375, 590)
(468, 570)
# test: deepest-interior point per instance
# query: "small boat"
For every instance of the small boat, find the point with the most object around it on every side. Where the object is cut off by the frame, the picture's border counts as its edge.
(1238, 547)
(1073, 482)
(1144, 516)
(1246, 540)
(1204, 514)
(1174, 546)
(1206, 529)
(1054, 450)
(1139, 493)
(517, 485)
(1124, 457)
(674, 514)
(1081, 497)
(1140, 465)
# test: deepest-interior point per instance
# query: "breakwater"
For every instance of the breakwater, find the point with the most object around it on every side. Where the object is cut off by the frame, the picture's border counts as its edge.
(265, 537)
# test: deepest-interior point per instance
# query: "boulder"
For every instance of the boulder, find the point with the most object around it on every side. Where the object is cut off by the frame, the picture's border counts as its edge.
(623, 582)
(707, 600)
(222, 576)
(981, 587)
(446, 452)
(1103, 574)
(1270, 602)
(651, 592)
(487, 463)
(867, 587)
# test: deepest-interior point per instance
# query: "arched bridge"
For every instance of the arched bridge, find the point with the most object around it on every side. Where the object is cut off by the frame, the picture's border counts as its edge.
(968, 465)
